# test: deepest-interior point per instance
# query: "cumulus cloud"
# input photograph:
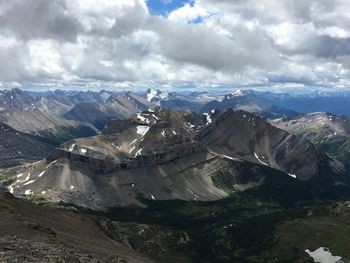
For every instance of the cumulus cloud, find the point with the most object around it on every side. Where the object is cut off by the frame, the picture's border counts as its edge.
(38, 19)
(203, 46)
(188, 13)
(208, 42)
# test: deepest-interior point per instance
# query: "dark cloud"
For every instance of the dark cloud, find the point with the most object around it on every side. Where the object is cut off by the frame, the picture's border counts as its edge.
(32, 19)
(12, 66)
(203, 46)
(322, 46)
(328, 47)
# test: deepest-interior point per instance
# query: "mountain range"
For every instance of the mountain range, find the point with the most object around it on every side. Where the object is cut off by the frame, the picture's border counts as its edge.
(163, 155)
(334, 102)
(161, 176)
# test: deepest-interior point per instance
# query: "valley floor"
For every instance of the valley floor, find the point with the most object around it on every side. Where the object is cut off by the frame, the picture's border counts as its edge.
(245, 227)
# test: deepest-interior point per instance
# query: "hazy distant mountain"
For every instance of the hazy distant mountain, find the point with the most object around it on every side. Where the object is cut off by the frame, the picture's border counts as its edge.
(185, 101)
(93, 113)
(248, 101)
(46, 125)
(73, 98)
(206, 97)
(330, 132)
(338, 103)
(61, 101)
(129, 103)
(57, 102)
(237, 100)
(99, 114)
(16, 99)
(182, 104)
(204, 102)
(164, 155)
(271, 105)
(46, 105)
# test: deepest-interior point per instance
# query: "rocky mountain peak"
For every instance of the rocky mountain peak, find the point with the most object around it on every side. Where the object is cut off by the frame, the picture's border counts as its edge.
(154, 95)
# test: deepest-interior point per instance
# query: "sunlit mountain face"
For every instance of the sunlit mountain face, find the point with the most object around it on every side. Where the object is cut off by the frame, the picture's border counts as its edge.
(174, 131)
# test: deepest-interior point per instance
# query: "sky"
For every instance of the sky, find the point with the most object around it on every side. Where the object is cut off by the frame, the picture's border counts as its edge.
(168, 44)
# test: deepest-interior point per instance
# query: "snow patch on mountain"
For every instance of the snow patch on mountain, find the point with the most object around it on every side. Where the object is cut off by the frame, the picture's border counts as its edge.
(142, 130)
(28, 192)
(292, 175)
(41, 174)
(142, 118)
(71, 148)
(260, 161)
(237, 93)
(138, 152)
(29, 182)
(323, 255)
(209, 120)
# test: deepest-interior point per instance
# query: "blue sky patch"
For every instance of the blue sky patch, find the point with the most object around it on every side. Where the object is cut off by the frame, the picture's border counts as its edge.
(164, 7)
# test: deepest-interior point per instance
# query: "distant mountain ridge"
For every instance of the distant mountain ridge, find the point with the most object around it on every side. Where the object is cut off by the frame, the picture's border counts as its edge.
(16, 99)
(46, 125)
(336, 102)
(57, 102)
(98, 114)
(17, 147)
(248, 101)
(330, 132)
(204, 102)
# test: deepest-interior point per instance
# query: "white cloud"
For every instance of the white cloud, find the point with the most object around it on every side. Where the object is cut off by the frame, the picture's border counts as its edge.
(44, 59)
(209, 42)
(188, 13)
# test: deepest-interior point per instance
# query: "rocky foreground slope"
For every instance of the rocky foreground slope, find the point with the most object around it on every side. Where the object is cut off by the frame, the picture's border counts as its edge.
(31, 233)
(161, 155)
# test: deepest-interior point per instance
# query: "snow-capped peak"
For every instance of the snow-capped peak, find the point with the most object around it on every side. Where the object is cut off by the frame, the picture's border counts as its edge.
(237, 93)
(153, 94)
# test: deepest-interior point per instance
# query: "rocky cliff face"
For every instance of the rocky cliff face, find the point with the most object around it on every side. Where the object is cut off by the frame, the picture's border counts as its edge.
(160, 155)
